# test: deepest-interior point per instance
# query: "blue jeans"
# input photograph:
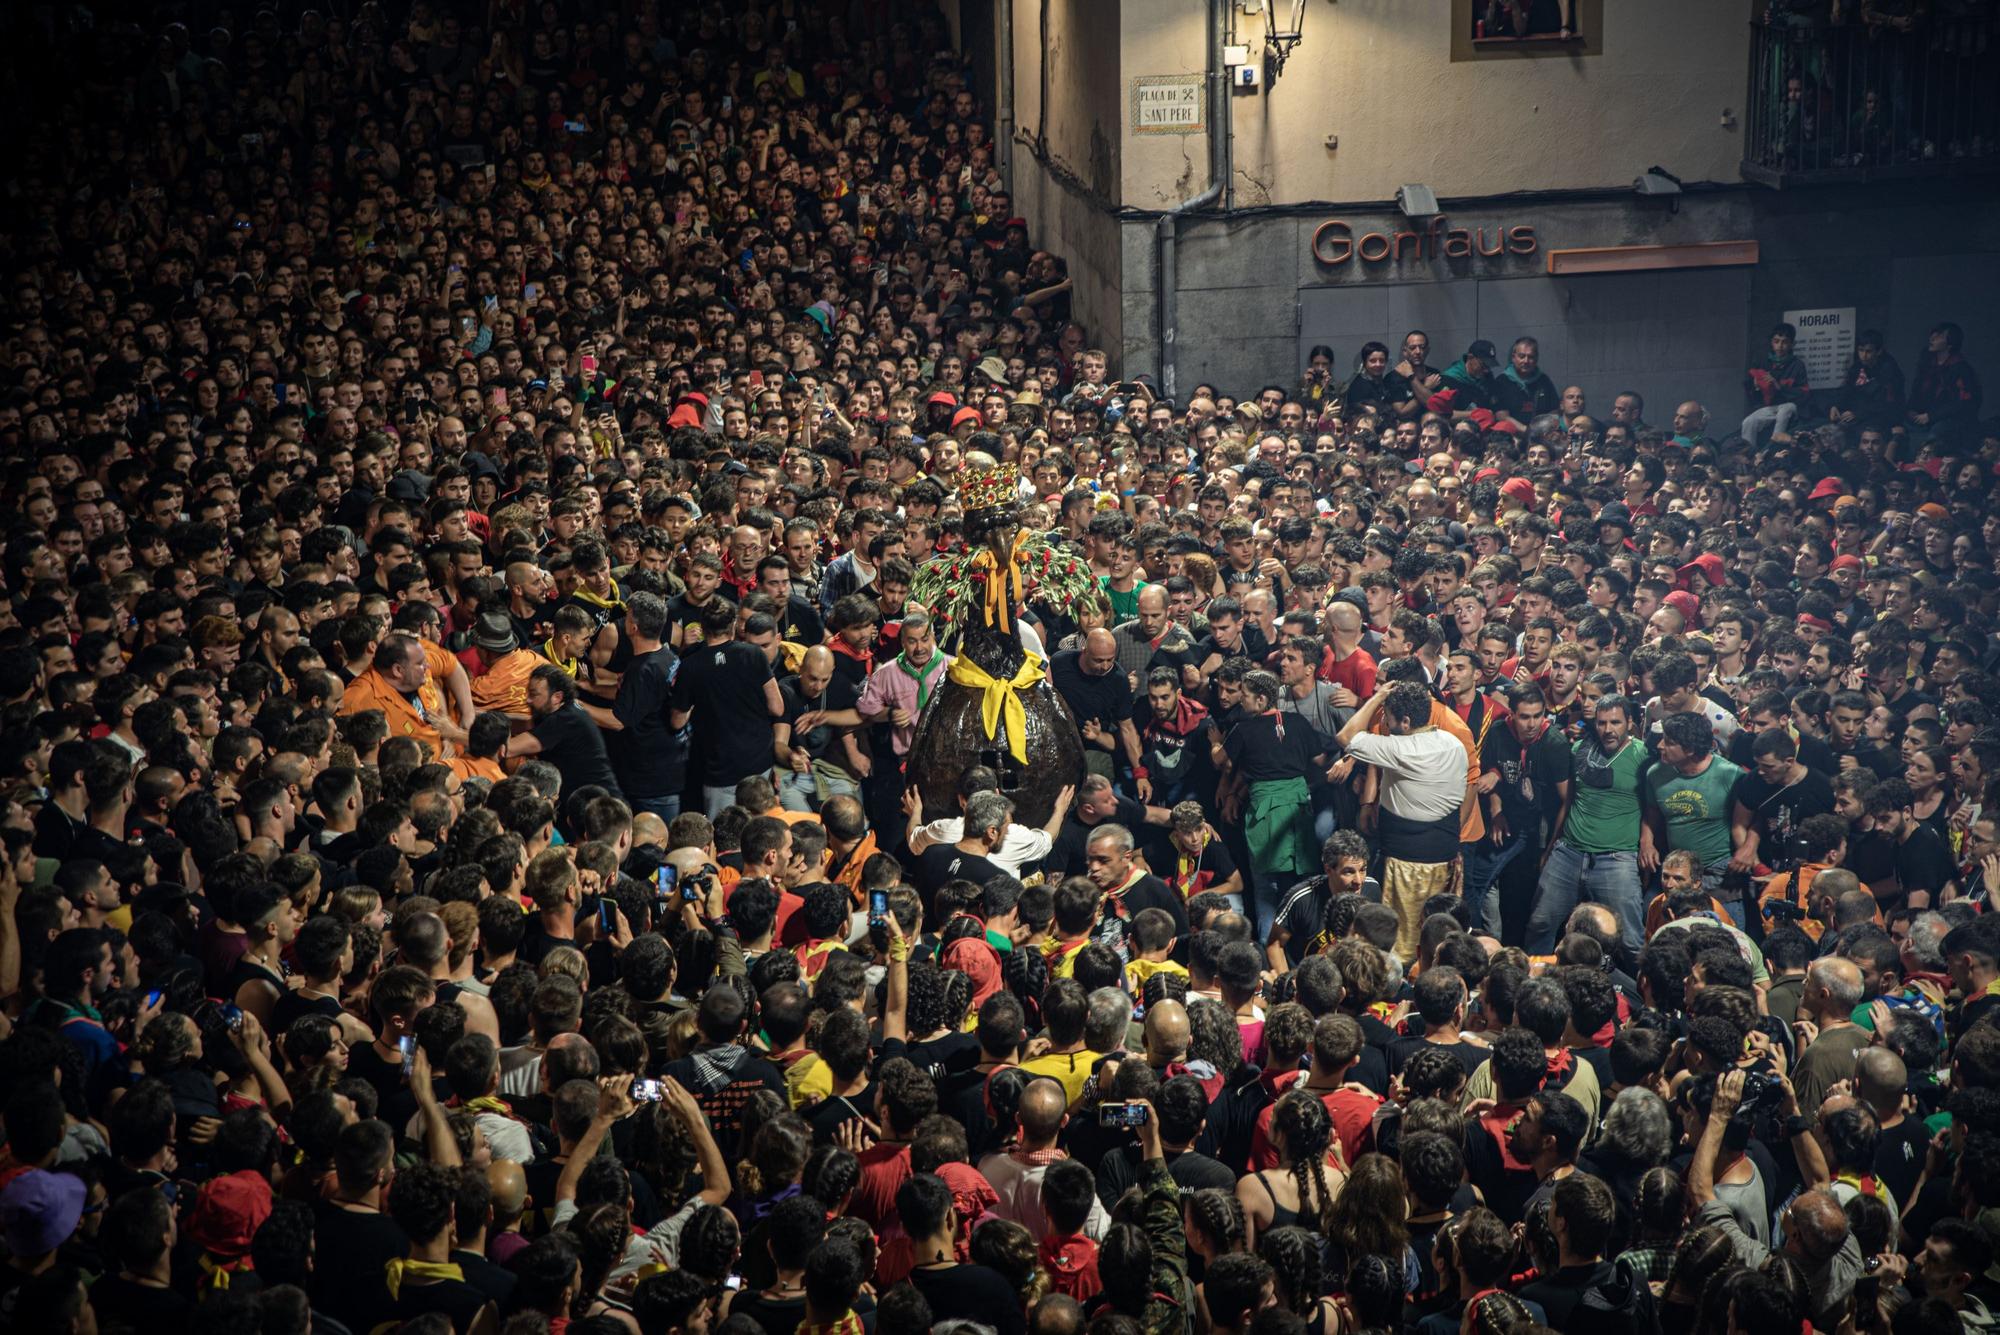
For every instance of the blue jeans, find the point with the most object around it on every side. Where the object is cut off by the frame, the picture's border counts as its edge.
(1777, 416)
(1482, 873)
(1610, 879)
(1267, 892)
(1325, 817)
(666, 808)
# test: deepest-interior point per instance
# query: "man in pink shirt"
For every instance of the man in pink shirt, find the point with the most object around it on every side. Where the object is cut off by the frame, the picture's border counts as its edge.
(897, 691)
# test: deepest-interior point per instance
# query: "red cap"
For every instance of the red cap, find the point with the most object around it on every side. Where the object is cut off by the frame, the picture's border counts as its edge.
(1520, 489)
(949, 400)
(1709, 566)
(964, 415)
(1847, 562)
(228, 1211)
(1827, 488)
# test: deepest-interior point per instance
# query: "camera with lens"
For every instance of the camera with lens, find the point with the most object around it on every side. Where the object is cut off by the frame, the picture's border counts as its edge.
(1762, 1093)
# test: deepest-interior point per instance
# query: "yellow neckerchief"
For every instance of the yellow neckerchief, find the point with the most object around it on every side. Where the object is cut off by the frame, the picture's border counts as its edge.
(1184, 865)
(1003, 588)
(488, 1103)
(215, 1274)
(566, 664)
(1000, 698)
(404, 1267)
(611, 604)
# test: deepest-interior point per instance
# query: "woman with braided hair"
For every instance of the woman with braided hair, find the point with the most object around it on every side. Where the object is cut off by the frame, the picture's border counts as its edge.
(1500, 1313)
(1026, 975)
(1294, 1255)
(1299, 1187)
(1214, 1222)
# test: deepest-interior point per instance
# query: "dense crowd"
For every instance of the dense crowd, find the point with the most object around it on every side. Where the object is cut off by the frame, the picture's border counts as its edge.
(468, 468)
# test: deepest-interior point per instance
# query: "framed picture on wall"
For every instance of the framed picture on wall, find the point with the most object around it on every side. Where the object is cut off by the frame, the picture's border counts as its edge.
(1500, 29)
(1524, 20)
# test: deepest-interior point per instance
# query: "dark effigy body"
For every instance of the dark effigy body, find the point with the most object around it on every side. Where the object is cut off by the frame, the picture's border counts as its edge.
(975, 599)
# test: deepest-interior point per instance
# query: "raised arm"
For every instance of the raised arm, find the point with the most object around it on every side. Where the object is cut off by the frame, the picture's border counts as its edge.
(715, 1186)
(1363, 718)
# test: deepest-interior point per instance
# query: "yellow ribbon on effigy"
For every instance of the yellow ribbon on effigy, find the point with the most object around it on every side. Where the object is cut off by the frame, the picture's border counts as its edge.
(1003, 587)
(1000, 696)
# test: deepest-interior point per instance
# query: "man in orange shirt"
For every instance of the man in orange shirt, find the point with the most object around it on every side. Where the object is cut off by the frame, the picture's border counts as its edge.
(502, 681)
(1471, 821)
(395, 684)
(485, 740)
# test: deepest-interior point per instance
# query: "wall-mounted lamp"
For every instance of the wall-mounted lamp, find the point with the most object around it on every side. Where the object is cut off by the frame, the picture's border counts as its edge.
(1281, 35)
(1656, 181)
(1417, 202)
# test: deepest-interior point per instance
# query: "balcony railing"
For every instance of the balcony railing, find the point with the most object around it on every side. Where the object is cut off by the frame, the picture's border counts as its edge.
(1870, 100)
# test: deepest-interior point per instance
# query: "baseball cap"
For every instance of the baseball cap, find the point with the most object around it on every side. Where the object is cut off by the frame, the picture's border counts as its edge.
(228, 1211)
(1827, 487)
(1484, 350)
(39, 1210)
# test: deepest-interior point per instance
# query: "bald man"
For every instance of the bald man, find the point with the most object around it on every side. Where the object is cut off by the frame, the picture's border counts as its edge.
(1057, 1314)
(1168, 1035)
(1100, 696)
(1814, 1228)
(648, 830)
(1017, 1174)
(818, 750)
(1352, 671)
(528, 606)
(1833, 988)
(501, 1238)
(1880, 1079)
(1150, 640)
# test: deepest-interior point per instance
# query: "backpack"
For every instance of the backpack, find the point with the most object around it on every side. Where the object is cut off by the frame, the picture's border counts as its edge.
(1620, 1304)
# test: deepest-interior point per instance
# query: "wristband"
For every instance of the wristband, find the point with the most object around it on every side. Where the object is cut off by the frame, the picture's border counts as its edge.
(1797, 1126)
(899, 951)
(1141, 772)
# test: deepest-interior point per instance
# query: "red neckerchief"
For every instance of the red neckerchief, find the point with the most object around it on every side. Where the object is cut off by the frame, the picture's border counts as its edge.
(1559, 1068)
(865, 657)
(1188, 716)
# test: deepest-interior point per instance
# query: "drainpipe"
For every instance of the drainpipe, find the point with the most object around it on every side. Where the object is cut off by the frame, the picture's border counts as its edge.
(1003, 95)
(1166, 231)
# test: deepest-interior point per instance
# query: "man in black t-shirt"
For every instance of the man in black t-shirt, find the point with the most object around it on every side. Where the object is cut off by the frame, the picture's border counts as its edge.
(562, 734)
(1922, 859)
(798, 620)
(1128, 887)
(986, 817)
(1778, 795)
(726, 690)
(1097, 804)
(652, 758)
(353, 1239)
(1100, 696)
(705, 591)
(1846, 718)
(807, 757)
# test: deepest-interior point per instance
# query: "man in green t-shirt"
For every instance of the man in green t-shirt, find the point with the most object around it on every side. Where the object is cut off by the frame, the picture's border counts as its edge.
(1689, 796)
(1595, 855)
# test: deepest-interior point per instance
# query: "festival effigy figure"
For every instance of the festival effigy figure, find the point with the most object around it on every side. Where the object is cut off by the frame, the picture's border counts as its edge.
(995, 706)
